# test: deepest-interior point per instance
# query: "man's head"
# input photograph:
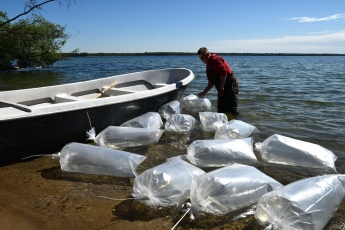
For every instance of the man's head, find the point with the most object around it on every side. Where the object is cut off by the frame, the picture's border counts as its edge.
(203, 54)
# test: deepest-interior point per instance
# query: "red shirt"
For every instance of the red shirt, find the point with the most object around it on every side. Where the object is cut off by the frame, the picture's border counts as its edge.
(218, 65)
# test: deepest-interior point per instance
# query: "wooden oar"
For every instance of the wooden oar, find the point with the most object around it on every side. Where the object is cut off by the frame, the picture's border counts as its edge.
(106, 89)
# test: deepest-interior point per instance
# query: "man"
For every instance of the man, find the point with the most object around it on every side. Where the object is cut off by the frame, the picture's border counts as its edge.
(220, 74)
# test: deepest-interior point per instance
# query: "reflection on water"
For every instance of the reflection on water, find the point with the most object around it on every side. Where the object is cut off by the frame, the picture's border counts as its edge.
(13, 80)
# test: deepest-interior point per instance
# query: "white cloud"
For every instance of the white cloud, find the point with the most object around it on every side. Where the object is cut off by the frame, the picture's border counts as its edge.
(322, 43)
(309, 19)
(322, 32)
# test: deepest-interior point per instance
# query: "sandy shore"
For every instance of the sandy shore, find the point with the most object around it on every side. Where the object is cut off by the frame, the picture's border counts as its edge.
(36, 195)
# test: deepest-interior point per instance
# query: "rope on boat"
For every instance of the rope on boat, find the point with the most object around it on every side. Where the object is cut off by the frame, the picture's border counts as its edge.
(89, 119)
(91, 134)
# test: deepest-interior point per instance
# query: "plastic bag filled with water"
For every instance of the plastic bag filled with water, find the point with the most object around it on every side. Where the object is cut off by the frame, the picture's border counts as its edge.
(121, 137)
(169, 109)
(279, 149)
(167, 184)
(235, 129)
(189, 97)
(193, 103)
(307, 204)
(90, 159)
(229, 189)
(147, 120)
(218, 153)
(211, 121)
(180, 123)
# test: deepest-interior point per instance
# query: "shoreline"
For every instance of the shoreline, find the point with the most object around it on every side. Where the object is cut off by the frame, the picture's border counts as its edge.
(85, 54)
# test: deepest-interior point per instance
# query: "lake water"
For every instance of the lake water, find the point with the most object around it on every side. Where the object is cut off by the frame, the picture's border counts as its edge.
(302, 97)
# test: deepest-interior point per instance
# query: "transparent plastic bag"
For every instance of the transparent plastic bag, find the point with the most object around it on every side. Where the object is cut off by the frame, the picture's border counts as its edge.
(167, 184)
(147, 120)
(90, 159)
(193, 103)
(189, 97)
(279, 149)
(180, 123)
(235, 129)
(169, 109)
(307, 204)
(121, 137)
(229, 189)
(218, 153)
(211, 121)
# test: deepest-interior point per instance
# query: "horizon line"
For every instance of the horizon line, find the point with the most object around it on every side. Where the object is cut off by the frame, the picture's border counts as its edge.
(194, 53)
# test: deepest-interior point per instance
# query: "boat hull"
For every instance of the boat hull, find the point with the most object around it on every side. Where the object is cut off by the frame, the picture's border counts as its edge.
(48, 133)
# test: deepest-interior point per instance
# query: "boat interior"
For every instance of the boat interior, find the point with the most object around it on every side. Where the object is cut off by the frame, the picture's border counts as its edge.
(18, 102)
(117, 90)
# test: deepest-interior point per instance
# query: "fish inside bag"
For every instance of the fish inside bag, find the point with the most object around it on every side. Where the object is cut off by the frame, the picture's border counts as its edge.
(211, 121)
(90, 159)
(306, 204)
(235, 129)
(279, 149)
(180, 123)
(219, 153)
(229, 189)
(121, 137)
(193, 103)
(167, 184)
(147, 120)
(168, 109)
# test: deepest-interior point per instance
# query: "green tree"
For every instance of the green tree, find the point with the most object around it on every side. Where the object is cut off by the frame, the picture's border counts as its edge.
(30, 42)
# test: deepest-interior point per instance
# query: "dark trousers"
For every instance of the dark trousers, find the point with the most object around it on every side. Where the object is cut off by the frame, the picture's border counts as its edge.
(228, 103)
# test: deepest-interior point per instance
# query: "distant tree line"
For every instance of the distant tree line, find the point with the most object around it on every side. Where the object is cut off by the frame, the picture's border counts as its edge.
(85, 54)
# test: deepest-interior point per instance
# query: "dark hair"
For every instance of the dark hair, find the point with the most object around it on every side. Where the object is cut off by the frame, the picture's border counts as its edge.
(203, 50)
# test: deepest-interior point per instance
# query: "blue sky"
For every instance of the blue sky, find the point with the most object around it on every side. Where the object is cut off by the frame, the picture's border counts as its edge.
(254, 26)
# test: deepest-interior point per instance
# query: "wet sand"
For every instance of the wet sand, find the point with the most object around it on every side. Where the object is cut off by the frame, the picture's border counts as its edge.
(36, 194)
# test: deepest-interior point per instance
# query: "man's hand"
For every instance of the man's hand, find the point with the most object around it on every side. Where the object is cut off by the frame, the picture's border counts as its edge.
(208, 87)
(202, 94)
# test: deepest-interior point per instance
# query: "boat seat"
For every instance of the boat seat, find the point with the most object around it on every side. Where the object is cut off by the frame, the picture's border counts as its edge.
(61, 98)
(160, 85)
(140, 85)
(117, 92)
(24, 108)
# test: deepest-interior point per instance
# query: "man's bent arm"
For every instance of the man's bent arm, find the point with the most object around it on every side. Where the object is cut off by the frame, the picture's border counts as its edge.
(208, 88)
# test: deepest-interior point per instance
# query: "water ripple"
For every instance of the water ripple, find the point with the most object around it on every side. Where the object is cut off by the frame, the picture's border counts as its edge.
(300, 97)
